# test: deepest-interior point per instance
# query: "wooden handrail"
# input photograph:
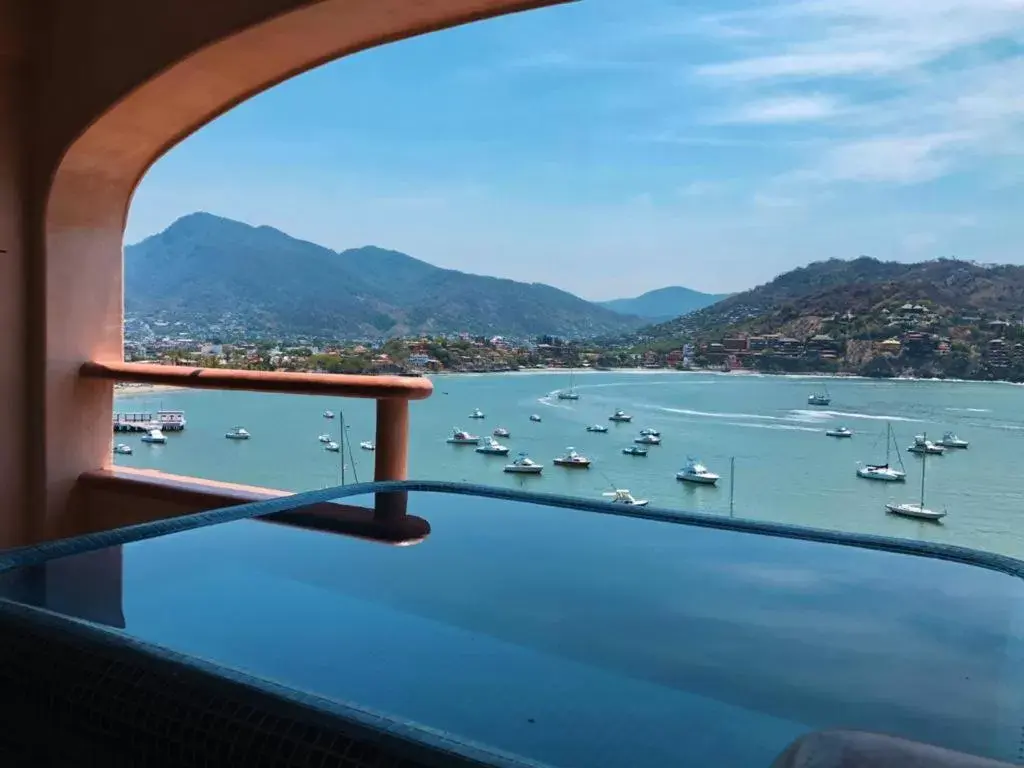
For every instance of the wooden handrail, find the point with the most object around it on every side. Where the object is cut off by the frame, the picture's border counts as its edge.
(340, 385)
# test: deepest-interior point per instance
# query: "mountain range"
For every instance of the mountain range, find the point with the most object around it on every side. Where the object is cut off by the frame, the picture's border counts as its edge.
(213, 271)
(664, 303)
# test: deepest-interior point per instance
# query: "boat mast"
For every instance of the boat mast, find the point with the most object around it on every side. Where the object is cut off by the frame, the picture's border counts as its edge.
(888, 441)
(341, 442)
(924, 463)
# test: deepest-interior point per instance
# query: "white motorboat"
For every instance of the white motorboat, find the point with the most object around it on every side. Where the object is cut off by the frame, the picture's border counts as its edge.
(534, 417)
(647, 440)
(328, 414)
(462, 437)
(651, 432)
(324, 438)
(477, 414)
(635, 450)
(839, 432)
(154, 436)
(923, 445)
(884, 472)
(570, 393)
(952, 440)
(620, 417)
(695, 472)
(623, 496)
(491, 447)
(367, 445)
(600, 428)
(332, 446)
(524, 465)
(123, 449)
(917, 511)
(820, 398)
(572, 460)
(237, 433)
(501, 432)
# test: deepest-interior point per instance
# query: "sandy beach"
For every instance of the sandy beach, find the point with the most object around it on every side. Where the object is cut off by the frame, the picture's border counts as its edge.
(138, 390)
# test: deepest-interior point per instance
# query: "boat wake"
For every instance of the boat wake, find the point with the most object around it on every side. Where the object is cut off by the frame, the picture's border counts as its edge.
(819, 416)
(715, 415)
(787, 427)
(971, 410)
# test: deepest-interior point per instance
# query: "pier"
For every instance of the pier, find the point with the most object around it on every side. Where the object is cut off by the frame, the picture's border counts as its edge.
(166, 421)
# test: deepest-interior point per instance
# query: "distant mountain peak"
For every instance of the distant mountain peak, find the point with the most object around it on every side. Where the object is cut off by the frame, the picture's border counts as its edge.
(664, 303)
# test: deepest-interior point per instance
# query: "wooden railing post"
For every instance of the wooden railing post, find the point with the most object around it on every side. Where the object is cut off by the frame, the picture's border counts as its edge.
(392, 458)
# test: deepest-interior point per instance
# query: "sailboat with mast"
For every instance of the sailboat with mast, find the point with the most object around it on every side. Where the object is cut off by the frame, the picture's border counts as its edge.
(918, 510)
(570, 393)
(884, 472)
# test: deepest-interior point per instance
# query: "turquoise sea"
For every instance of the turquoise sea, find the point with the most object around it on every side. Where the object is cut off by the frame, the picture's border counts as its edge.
(786, 469)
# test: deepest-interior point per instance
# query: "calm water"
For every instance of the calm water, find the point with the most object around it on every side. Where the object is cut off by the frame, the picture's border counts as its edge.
(786, 468)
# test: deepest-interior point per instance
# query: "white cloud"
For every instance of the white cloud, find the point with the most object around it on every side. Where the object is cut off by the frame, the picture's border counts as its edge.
(899, 159)
(786, 109)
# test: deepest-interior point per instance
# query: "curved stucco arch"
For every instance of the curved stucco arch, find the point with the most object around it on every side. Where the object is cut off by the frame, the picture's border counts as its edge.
(125, 82)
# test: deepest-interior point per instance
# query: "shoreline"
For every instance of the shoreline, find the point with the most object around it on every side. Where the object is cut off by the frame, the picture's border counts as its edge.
(138, 390)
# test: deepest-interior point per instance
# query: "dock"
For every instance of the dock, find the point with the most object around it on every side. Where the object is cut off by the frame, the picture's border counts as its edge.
(165, 421)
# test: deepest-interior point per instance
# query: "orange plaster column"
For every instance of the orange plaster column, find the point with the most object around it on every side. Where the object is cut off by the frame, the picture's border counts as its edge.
(392, 457)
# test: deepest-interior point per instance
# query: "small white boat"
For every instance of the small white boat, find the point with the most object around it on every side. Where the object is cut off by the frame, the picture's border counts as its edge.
(462, 437)
(572, 460)
(328, 414)
(623, 496)
(820, 398)
(570, 393)
(925, 446)
(501, 432)
(367, 445)
(839, 432)
(952, 440)
(568, 396)
(650, 432)
(237, 433)
(491, 447)
(123, 449)
(154, 436)
(600, 428)
(325, 438)
(884, 472)
(534, 417)
(332, 446)
(917, 511)
(695, 472)
(524, 465)
(620, 417)
(477, 414)
(647, 440)
(635, 450)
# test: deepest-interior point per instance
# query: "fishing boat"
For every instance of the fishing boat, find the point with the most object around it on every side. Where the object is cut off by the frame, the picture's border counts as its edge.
(820, 398)
(491, 447)
(123, 449)
(324, 438)
(635, 450)
(647, 440)
(839, 432)
(477, 414)
(884, 472)
(572, 460)
(597, 428)
(952, 440)
(623, 496)
(332, 446)
(154, 436)
(917, 511)
(501, 432)
(695, 472)
(524, 465)
(367, 445)
(328, 414)
(534, 417)
(620, 416)
(237, 433)
(651, 432)
(923, 445)
(462, 437)
(570, 393)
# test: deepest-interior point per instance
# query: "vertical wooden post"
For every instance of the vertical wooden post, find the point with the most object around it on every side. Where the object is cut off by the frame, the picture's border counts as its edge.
(392, 456)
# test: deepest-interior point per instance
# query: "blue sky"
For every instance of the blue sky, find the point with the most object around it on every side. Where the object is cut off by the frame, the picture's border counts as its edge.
(614, 146)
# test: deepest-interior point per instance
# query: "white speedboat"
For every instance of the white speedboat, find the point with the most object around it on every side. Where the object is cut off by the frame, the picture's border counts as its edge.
(328, 414)
(332, 446)
(237, 433)
(647, 440)
(600, 428)
(325, 438)
(635, 450)
(123, 449)
(367, 445)
(477, 414)
(650, 432)
(925, 446)
(572, 460)
(917, 511)
(623, 496)
(534, 417)
(154, 436)
(839, 432)
(820, 398)
(524, 465)
(501, 432)
(621, 417)
(952, 440)
(462, 437)
(884, 472)
(491, 447)
(695, 472)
